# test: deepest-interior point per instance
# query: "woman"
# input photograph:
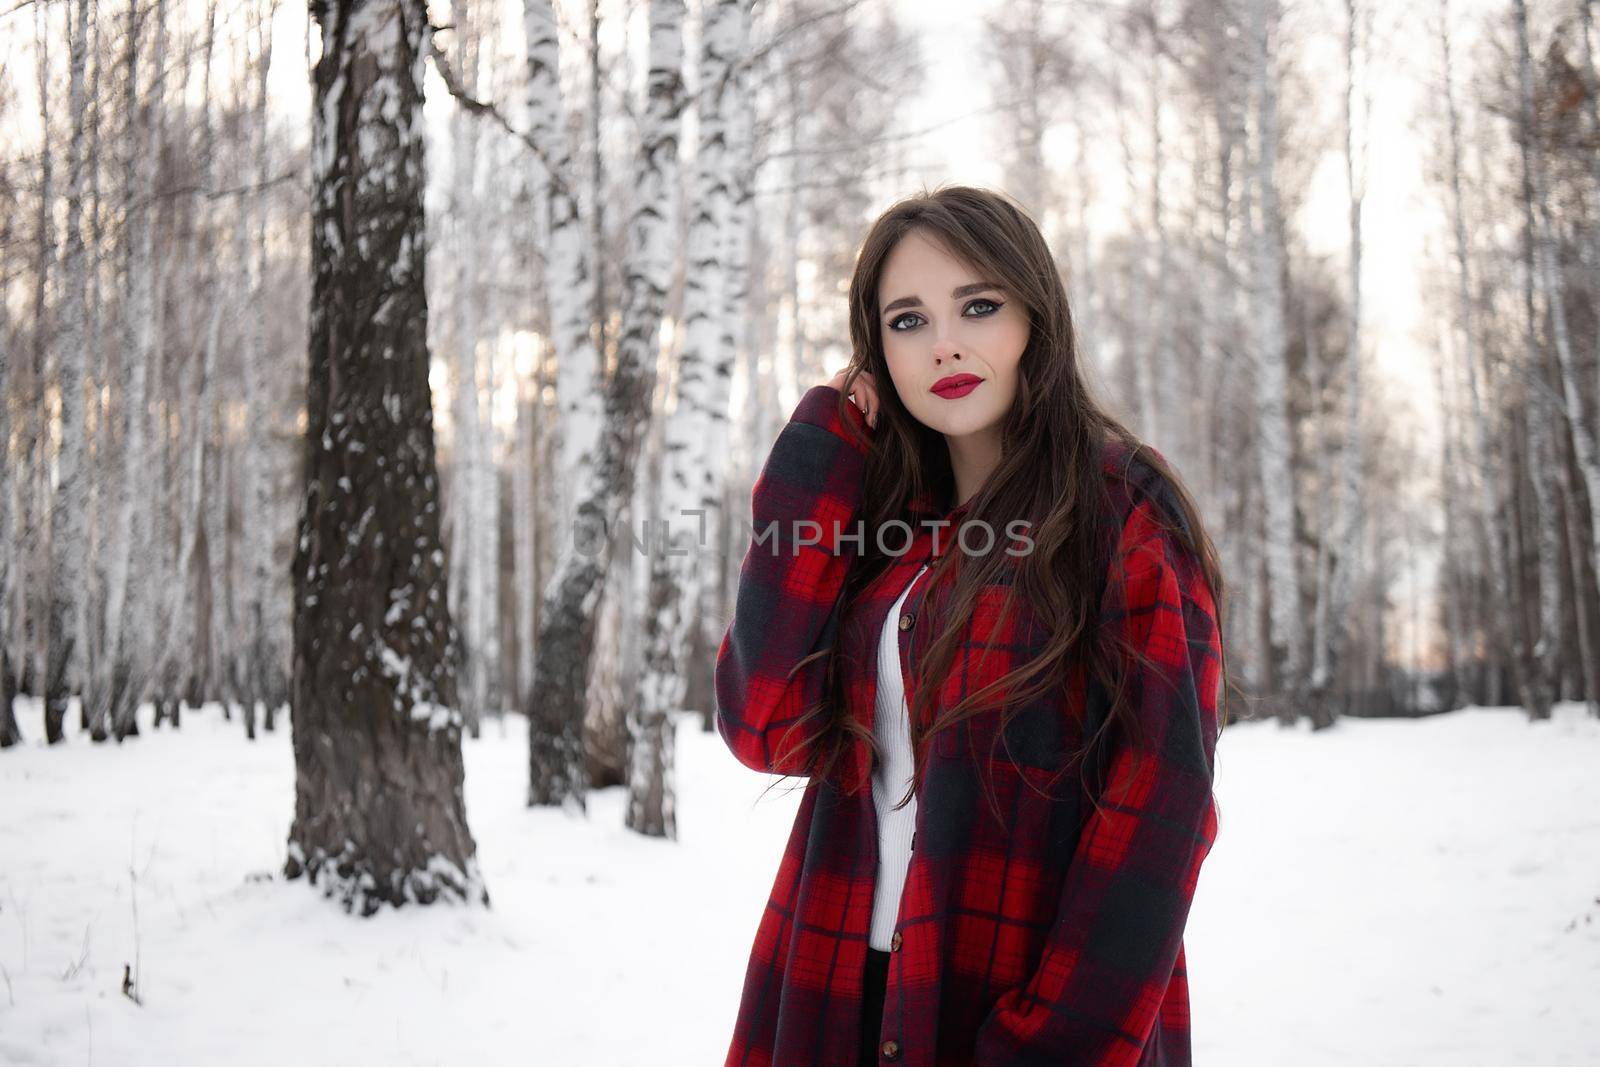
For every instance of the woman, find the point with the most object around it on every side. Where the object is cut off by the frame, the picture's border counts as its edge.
(981, 617)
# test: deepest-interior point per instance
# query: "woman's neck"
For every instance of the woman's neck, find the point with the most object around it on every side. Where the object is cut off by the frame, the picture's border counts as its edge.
(973, 457)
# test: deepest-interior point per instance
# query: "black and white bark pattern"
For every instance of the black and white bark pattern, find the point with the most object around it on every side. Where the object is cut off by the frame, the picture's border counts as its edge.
(691, 480)
(557, 774)
(571, 269)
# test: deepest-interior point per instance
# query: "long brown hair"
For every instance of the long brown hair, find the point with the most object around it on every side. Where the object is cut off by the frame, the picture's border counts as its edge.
(1051, 473)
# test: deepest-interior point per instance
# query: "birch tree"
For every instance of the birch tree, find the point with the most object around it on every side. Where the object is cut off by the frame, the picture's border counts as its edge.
(34, 503)
(691, 481)
(10, 733)
(1576, 419)
(261, 654)
(566, 634)
(570, 274)
(1337, 557)
(732, 317)
(379, 816)
(1542, 454)
(1275, 443)
(69, 617)
(121, 678)
(474, 505)
(1487, 460)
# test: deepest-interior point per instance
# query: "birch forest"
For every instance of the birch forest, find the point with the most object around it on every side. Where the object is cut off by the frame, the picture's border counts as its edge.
(333, 343)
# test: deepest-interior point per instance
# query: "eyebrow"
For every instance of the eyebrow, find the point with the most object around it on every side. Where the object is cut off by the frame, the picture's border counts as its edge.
(955, 294)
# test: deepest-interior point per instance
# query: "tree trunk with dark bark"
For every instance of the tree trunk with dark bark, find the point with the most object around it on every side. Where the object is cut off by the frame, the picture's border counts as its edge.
(379, 817)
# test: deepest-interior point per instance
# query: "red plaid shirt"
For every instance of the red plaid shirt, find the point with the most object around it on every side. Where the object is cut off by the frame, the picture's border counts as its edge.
(1052, 937)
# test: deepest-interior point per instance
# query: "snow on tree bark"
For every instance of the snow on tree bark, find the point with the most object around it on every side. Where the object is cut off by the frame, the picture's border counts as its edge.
(379, 817)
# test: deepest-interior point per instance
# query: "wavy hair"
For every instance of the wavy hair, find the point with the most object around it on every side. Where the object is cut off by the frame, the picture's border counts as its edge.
(1052, 473)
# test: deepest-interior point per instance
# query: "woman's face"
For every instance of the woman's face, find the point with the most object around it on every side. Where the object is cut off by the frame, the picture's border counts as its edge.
(952, 339)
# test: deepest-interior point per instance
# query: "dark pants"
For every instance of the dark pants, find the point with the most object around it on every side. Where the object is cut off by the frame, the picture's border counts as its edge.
(875, 979)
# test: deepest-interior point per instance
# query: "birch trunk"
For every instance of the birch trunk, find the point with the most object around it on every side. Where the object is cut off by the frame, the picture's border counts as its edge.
(486, 681)
(1487, 458)
(569, 268)
(1274, 449)
(470, 582)
(1234, 404)
(525, 478)
(121, 680)
(1453, 585)
(1577, 420)
(96, 361)
(69, 620)
(1541, 448)
(566, 637)
(597, 185)
(1139, 353)
(261, 654)
(739, 109)
(1345, 533)
(9, 732)
(1588, 680)
(1592, 108)
(1163, 363)
(379, 817)
(690, 479)
(35, 587)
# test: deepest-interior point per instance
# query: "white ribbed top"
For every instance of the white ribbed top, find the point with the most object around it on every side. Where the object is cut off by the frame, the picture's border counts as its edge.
(891, 725)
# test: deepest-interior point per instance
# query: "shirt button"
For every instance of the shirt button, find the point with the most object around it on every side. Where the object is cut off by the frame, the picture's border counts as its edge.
(906, 620)
(891, 1050)
(894, 942)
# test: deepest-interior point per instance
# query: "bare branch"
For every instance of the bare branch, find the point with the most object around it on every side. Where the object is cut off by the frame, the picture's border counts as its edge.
(488, 109)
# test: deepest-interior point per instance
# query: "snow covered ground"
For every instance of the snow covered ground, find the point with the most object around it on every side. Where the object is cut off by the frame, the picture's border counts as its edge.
(1388, 892)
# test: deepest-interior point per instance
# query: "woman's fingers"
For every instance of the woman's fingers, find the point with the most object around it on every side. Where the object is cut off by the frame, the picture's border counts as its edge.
(863, 393)
(867, 394)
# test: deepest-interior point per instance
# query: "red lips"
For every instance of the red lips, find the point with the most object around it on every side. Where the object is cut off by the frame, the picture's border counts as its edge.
(956, 385)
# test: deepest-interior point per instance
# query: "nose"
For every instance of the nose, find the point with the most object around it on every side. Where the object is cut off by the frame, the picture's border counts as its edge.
(944, 348)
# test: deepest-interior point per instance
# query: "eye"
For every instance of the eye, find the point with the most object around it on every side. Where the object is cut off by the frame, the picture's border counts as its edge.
(992, 306)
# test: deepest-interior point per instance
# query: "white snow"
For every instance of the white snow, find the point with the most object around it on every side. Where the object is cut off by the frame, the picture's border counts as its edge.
(1383, 893)
(437, 716)
(399, 602)
(394, 664)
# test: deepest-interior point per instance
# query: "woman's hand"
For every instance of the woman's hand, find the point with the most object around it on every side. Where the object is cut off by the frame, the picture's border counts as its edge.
(863, 392)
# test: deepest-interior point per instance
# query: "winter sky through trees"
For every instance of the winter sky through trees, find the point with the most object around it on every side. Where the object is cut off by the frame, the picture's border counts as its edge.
(951, 125)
